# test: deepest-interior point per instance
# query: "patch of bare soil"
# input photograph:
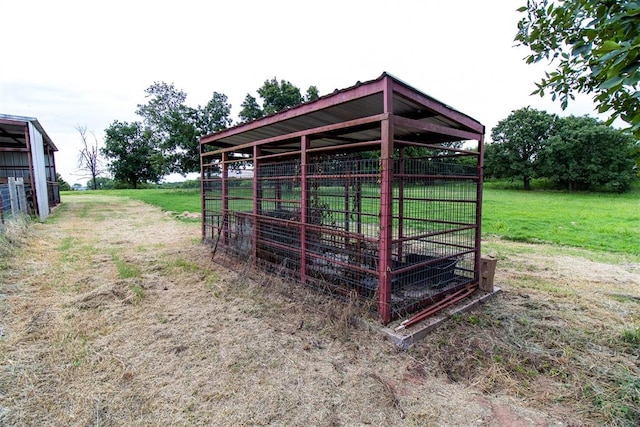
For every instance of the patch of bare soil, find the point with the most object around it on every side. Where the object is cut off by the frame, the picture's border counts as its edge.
(114, 314)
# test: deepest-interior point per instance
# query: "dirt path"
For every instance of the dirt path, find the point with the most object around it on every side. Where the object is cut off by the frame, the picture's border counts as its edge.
(114, 314)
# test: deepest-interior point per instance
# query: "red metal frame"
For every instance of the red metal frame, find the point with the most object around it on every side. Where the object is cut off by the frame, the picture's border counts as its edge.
(304, 206)
(301, 223)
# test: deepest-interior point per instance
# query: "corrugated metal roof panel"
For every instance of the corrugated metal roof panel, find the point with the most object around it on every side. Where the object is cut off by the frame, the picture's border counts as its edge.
(351, 104)
(13, 136)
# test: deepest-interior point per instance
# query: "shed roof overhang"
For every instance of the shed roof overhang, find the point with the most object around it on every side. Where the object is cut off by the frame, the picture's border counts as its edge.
(349, 117)
(13, 135)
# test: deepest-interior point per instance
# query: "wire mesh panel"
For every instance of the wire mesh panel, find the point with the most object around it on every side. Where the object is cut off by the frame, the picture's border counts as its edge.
(320, 223)
(212, 218)
(5, 204)
(434, 233)
(278, 217)
(344, 206)
(14, 200)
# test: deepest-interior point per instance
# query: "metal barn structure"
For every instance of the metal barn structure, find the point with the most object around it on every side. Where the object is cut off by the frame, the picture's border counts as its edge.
(27, 152)
(368, 192)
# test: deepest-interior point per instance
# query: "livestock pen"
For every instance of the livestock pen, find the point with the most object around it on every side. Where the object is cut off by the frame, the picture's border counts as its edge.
(372, 192)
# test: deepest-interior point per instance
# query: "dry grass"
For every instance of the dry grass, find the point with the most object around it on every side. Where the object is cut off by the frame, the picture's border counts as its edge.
(113, 314)
(562, 337)
(12, 234)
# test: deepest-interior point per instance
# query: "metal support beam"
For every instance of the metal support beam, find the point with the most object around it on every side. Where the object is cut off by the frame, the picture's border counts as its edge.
(257, 202)
(386, 221)
(32, 172)
(225, 199)
(478, 236)
(386, 209)
(434, 128)
(304, 206)
(401, 204)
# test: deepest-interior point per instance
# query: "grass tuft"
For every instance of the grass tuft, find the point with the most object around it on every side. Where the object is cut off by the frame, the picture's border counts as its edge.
(138, 294)
(13, 234)
(126, 270)
(632, 336)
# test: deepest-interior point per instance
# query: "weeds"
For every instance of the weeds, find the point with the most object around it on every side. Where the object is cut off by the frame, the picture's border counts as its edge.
(632, 336)
(211, 284)
(182, 264)
(235, 348)
(138, 294)
(126, 270)
(13, 233)
(534, 348)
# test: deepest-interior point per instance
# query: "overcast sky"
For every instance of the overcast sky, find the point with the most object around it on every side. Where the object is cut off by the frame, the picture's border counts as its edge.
(87, 63)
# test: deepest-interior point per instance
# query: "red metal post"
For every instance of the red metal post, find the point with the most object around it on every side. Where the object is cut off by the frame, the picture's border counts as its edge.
(203, 197)
(347, 210)
(386, 209)
(278, 185)
(478, 242)
(257, 201)
(304, 206)
(225, 198)
(386, 222)
(358, 200)
(401, 203)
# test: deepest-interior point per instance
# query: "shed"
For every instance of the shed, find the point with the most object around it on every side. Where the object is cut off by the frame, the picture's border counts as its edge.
(27, 152)
(372, 192)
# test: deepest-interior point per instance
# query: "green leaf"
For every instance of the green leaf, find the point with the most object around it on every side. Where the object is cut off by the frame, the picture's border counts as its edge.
(608, 46)
(581, 49)
(602, 39)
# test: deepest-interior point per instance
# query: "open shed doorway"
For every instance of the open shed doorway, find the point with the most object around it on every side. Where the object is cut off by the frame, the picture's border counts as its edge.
(27, 152)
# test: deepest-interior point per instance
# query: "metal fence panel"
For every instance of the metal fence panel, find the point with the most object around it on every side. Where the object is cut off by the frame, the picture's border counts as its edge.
(13, 200)
(320, 224)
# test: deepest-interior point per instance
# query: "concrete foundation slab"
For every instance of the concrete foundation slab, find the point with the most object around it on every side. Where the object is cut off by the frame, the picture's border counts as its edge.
(406, 338)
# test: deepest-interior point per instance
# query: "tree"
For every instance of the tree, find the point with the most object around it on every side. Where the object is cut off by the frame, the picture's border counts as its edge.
(276, 96)
(312, 94)
(89, 157)
(586, 154)
(102, 183)
(517, 143)
(595, 47)
(135, 155)
(177, 127)
(62, 184)
(212, 117)
(250, 109)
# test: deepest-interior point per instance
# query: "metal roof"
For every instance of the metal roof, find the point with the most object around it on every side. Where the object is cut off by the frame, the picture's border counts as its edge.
(419, 118)
(12, 131)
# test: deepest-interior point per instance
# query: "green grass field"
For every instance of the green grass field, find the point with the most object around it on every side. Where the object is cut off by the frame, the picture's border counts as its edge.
(608, 222)
(173, 200)
(604, 222)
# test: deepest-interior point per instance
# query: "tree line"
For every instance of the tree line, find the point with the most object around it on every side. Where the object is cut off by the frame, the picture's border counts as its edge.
(572, 153)
(592, 44)
(166, 138)
(593, 48)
